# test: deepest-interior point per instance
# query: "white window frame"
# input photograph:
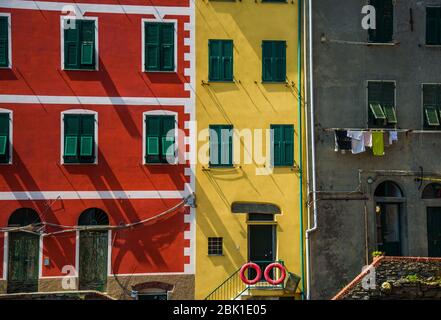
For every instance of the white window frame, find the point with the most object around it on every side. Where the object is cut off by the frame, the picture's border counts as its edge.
(367, 99)
(144, 127)
(78, 111)
(11, 114)
(175, 23)
(8, 15)
(62, 18)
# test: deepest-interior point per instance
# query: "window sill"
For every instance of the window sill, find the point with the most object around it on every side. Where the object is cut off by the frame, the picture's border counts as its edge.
(382, 44)
(273, 82)
(79, 163)
(89, 70)
(209, 168)
(159, 71)
(216, 81)
(159, 164)
(435, 46)
(215, 255)
(5, 67)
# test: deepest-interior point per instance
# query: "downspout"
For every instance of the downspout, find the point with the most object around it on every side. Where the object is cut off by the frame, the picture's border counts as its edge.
(300, 140)
(312, 158)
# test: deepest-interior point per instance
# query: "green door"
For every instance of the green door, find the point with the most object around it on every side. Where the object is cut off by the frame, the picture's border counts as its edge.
(23, 262)
(434, 231)
(93, 260)
(261, 246)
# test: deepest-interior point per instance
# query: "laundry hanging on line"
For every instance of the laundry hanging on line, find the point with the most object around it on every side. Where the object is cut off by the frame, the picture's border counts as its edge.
(357, 143)
(378, 143)
(393, 136)
(342, 141)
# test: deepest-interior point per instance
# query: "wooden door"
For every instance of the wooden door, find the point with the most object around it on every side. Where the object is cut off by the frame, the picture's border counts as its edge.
(23, 262)
(93, 260)
(434, 231)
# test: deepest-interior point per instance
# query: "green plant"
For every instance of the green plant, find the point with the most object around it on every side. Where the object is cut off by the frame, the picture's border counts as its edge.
(377, 254)
(412, 278)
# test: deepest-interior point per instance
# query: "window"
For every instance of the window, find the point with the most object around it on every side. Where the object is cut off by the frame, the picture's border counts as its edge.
(160, 139)
(79, 138)
(215, 246)
(432, 106)
(159, 46)
(5, 149)
(274, 61)
(384, 21)
(79, 44)
(433, 26)
(282, 145)
(221, 146)
(4, 42)
(381, 104)
(220, 64)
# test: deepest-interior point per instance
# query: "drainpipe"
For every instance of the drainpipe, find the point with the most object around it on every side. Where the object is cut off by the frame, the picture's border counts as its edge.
(300, 142)
(312, 158)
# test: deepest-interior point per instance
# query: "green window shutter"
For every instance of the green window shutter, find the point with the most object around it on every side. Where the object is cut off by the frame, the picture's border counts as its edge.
(71, 134)
(388, 21)
(71, 146)
(227, 60)
(377, 111)
(288, 145)
(153, 132)
(72, 46)
(226, 146)
(4, 42)
(277, 135)
(167, 47)
(432, 116)
(215, 142)
(4, 137)
(152, 46)
(433, 26)
(87, 49)
(279, 60)
(86, 149)
(267, 64)
(215, 52)
(167, 136)
(390, 114)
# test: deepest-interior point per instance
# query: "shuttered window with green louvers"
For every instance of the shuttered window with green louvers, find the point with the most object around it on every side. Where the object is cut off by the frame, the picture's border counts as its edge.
(79, 45)
(159, 46)
(221, 145)
(4, 42)
(160, 139)
(432, 106)
(383, 32)
(381, 104)
(274, 61)
(220, 60)
(4, 137)
(282, 145)
(79, 138)
(433, 26)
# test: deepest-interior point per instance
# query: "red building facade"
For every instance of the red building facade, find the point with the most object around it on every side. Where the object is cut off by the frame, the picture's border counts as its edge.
(85, 110)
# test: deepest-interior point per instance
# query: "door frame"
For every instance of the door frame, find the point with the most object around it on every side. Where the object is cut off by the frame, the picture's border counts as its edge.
(401, 202)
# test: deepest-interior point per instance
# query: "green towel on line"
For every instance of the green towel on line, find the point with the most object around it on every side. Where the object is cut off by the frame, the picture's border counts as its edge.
(377, 143)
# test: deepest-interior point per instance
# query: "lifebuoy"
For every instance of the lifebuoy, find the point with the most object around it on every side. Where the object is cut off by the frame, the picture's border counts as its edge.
(245, 268)
(282, 273)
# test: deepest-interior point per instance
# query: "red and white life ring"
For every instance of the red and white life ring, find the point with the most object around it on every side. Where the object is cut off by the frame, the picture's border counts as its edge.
(256, 268)
(282, 273)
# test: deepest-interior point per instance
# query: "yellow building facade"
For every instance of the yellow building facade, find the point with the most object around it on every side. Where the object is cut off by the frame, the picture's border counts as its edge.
(249, 210)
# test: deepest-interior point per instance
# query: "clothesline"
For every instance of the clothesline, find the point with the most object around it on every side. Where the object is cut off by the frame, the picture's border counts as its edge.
(368, 129)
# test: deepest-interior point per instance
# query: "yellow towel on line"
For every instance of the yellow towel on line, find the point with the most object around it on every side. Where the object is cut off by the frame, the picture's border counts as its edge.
(378, 143)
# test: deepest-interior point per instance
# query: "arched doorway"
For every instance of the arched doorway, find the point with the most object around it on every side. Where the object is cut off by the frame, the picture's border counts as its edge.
(389, 199)
(93, 248)
(23, 252)
(433, 192)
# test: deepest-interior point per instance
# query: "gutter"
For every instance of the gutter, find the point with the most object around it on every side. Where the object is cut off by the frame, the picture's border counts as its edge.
(312, 160)
(300, 142)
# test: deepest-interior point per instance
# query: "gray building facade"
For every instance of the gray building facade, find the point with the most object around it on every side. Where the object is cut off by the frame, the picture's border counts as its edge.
(383, 81)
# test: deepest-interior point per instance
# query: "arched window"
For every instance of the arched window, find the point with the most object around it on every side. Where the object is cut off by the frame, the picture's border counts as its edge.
(93, 217)
(388, 189)
(23, 217)
(432, 191)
